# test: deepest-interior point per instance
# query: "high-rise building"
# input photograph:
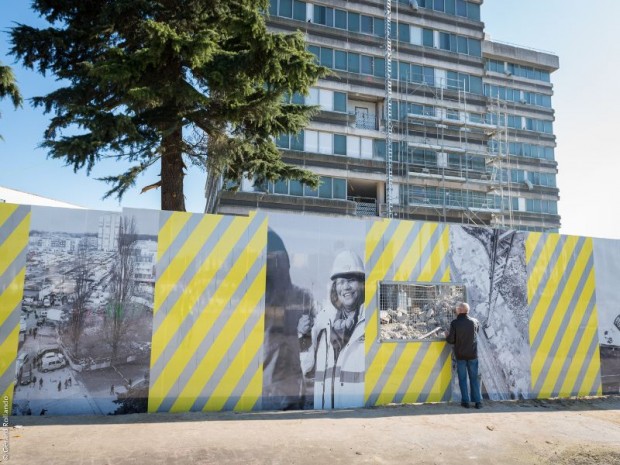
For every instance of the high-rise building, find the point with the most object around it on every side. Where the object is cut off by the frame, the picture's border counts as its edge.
(468, 127)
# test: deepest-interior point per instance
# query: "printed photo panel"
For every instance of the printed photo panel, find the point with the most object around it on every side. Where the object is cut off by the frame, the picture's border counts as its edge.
(208, 313)
(607, 267)
(490, 263)
(87, 312)
(563, 324)
(314, 318)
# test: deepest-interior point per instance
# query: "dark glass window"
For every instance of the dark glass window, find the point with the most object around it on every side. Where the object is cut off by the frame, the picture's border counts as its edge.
(282, 141)
(461, 44)
(319, 14)
(340, 60)
(286, 8)
(329, 17)
(340, 101)
(379, 27)
(280, 187)
(340, 144)
(444, 41)
(473, 11)
(461, 8)
(475, 48)
(439, 5)
(340, 20)
(316, 51)
(298, 99)
(427, 37)
(327, 57)
(417, 74)
(354, 22)
(429, 76)
(295, 188)
(366, 64)
(339, 189)
(403, 32)
(310, 192)
(299, 10)
(404, 71)
(451, 7)
(354, 63)
(297, 142)
(273, 7)
(325, 188)
(379, 67)
(367, 24)
(475, 85)
(379, 148)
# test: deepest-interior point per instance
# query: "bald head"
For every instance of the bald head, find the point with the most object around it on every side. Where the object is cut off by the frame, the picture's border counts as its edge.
(462, 308)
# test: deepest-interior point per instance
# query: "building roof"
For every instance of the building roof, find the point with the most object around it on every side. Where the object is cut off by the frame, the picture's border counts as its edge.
(24, 198)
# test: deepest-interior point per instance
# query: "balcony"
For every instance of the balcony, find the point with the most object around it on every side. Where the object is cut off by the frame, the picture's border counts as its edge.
(365, 120)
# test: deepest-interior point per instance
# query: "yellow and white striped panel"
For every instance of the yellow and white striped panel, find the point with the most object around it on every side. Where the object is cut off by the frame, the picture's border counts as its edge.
(563, 317)
(208, 316)
(14, 230)
(396, 371)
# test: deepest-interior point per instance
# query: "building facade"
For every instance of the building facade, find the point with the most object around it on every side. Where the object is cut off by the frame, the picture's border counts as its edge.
(468, 127)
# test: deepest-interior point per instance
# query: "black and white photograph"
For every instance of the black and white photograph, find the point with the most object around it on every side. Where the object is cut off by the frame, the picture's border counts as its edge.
(607, 270)
(86, 318)
(314, 315)
(490, 263)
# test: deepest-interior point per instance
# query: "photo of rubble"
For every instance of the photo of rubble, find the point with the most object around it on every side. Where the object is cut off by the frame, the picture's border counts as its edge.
(417, 312)
(607, 266)
(490, 263)
(86, 317)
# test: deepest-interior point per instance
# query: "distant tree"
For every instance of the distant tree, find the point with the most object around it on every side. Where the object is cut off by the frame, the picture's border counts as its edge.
(144, 74)
(8, 87)
(83, 288)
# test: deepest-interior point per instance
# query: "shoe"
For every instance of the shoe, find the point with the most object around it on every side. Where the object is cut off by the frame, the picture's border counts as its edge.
(478, 405)
(465, 404)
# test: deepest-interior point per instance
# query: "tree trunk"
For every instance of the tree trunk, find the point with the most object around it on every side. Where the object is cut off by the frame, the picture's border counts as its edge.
(172, 172)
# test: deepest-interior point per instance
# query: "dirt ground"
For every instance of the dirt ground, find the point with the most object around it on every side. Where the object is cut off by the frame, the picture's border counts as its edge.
(566, 432)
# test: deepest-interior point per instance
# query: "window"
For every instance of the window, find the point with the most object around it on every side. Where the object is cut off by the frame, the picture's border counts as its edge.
(354, 62)
(316, 51)
(340, 60)
(325, 187)
(340, 144)
(367, 24)
(379, 27)
(444, 41)
(327, 57)
(295, 188)
(299, 10)
(366, 64)
(310, 192)
(273, 7)
(340, 19)
(297, 141)
(475, 49)
(462, 44)
(286, 8)
(280, 187)
(379, 67)
(339, 188)
(427, 37)
(340, 102)
(403, 32)
(353, 22)
(473, 11)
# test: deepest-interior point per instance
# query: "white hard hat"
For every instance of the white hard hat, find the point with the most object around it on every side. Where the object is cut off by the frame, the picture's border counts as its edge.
(347, 263)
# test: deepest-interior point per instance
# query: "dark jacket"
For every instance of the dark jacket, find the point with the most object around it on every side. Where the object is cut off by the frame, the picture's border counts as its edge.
(463, 335)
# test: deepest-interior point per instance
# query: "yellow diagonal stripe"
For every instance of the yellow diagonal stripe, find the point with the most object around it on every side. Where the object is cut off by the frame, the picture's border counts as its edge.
(182, 260)
(398, 374)
(252, 392)
(207, 318)
(442, 382)
(171, 229)
(436, 258)
(218, 351)
(425, 369)
(376, 367)
(14, 244)
(531, 242)
(6, 210)
(412, 258)
(374, 236)
(592, 376)
(12, 295)
(235, 371)
(552, 284)
(540, 266)
(561, 308)
(194, 289)
(571, 332)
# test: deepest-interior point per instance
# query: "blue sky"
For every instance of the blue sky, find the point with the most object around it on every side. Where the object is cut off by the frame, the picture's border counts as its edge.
(582, 34)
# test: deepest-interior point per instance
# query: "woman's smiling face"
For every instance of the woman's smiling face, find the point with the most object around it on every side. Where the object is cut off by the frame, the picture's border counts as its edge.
(348, 290)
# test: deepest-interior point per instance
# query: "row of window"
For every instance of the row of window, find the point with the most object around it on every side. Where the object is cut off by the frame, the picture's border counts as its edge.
(333, 144)
(516, 95)
(514, 69)
(522, 149)
(373, 25)
(329, 188)
(348, 61)
(461, 8)
(430, 159)
(521, 123)
(536, 178)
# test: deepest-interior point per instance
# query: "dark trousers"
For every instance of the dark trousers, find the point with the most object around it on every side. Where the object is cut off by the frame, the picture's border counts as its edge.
(465, 369)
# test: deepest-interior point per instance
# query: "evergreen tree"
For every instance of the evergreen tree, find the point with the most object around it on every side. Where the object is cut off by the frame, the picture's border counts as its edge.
(8, 87)
(143, 74)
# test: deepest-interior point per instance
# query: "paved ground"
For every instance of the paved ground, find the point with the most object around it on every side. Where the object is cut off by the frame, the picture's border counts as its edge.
(578, 432)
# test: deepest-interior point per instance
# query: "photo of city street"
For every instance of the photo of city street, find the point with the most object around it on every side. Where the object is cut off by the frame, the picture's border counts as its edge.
(86, 317)
(491, 265)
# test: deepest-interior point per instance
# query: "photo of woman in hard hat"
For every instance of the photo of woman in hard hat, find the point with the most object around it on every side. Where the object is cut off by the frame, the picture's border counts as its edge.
(338, 338)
